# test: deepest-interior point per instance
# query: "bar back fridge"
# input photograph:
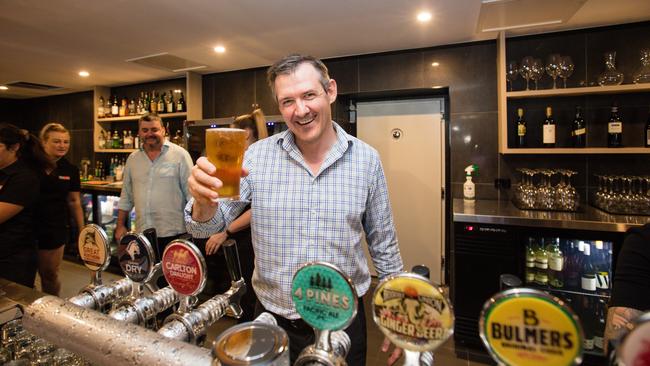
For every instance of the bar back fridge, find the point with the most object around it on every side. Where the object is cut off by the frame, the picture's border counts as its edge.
(575, 265)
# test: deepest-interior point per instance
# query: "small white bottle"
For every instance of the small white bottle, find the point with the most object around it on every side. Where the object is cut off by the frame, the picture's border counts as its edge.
(469, 193)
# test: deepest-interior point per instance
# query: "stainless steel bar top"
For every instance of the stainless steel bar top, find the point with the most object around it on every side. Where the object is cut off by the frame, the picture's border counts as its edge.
(505, 213)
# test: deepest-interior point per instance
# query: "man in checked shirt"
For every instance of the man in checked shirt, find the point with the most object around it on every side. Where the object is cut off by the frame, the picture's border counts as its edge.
(314, 191)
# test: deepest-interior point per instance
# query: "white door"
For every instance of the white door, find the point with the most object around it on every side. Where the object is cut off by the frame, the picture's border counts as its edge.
(409, 137)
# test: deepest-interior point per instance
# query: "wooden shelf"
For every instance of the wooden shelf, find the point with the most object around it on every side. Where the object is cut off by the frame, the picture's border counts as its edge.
(568, 92)
(115, 150)
(135, 118)
(583, 151)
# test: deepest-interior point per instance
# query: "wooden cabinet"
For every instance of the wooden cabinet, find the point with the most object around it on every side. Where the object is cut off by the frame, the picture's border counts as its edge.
(509, 100)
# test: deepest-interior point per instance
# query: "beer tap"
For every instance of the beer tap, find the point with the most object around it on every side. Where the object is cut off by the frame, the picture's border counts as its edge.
(184, 269)
(327, 300)
(95, 254)
(414, 314)
(137, 258)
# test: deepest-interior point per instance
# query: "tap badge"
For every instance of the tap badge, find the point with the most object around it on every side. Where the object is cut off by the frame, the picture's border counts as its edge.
(136, 258)
(412, 312)
(635, 349)
(323, 296)
(184, 267)
(523, 326)
(93, 247)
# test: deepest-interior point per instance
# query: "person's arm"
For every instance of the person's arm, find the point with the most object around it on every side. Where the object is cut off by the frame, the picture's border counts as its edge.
(120, 225)
(240, 223)
(74, 204)
(8, 210)
(619, 322)
(125, 205)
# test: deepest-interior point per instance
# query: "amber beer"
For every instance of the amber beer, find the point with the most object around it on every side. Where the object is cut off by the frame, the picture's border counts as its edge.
(225, 149)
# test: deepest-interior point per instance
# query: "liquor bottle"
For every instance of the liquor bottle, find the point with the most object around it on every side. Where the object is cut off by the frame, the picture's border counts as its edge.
(521, 128)
(180, 106)
(146, 102)
(131, 108)
(579, 129)
(169, 103)
(588, 274)
(115, 109)
(548, 128)
(136, 141)
(647, 132)
(124, 105)
(107, 108)
(178, 138)
(100, 108)
(530, 261)
(601, 319)
(116, 140)
(161, 104)
(615, 129)
(555, 265)
(102, 139)
(153, 103)
(128, 140)
(541, 265)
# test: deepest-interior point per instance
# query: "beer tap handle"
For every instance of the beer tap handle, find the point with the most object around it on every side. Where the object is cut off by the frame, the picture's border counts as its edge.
(96, 280)
(153, 239)
(232, 259)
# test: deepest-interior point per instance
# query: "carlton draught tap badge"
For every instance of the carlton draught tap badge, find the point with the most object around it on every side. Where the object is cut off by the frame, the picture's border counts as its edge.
(93, 247)
(184, 267)
(412, 312)
(529, 327)
(136, 257)
(324, 297)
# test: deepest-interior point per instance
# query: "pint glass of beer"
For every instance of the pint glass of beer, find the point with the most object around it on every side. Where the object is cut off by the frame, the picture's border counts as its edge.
(225, 149)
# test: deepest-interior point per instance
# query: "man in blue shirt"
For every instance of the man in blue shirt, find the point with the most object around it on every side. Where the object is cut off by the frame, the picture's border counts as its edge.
(314, 192)
(155, 182)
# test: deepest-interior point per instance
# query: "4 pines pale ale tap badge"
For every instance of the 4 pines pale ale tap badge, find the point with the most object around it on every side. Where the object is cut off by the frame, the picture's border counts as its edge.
(136, 257)
(93, 248)
(412, 312)
(184, 267)
(524, 326)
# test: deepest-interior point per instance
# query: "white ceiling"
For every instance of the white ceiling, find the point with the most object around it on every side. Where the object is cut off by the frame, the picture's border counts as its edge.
(49, 42)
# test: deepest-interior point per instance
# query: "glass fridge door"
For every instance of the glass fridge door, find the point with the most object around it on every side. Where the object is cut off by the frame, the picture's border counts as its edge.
(577, 271)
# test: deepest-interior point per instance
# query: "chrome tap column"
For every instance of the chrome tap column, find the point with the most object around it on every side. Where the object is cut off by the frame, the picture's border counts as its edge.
(95, 253)
(105, 341)
(184, 269)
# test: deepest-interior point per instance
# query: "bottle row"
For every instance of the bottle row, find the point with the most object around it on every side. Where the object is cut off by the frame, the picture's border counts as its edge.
(145, 103)
(592, 312)
(569, 265)
(578, 129)
(128, 139)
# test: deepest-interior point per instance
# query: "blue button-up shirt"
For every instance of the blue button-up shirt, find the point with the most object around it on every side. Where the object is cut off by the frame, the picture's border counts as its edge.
(158, 189)
(298, 216)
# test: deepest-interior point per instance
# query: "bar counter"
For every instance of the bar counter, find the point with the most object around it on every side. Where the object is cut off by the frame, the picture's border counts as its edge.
(113, 189)
(505, 213)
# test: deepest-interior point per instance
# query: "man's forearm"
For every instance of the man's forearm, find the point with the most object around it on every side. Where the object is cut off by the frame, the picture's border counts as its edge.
(121, 218)
(202, 213)
(619, 322)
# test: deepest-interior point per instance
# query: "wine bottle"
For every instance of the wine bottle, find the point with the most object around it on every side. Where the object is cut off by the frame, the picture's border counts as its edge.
(548, 128)
(180, 106)
(647, 132)
(588, 279)
(615, 129)
(601, 320)
(169, 103)
(588, 322)
(579, 129)
(556, 265)
(541, 265)
(161, 104)
(521, 128)
(530, 261)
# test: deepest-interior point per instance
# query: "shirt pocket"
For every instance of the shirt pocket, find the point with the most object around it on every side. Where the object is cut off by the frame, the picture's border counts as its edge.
(167, 170)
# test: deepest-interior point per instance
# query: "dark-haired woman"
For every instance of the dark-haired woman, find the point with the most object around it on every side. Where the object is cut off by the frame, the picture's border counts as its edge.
(21, 159)
(59, 200)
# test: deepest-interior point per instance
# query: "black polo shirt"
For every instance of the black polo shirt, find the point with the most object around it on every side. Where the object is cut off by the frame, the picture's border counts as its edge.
(19, 185)
(52, 212)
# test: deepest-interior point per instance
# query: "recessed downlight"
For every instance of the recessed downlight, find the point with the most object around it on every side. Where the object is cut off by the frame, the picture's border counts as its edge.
(435, 64)
(424, 16)
(4, 87)
(84, 73)
(220, 49)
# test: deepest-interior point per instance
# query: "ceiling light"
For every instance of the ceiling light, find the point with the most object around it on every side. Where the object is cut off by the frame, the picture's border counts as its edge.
(220, 49)
(424, 16)
(84, 74)
(435, 64)
(177, 91)
(3, 87)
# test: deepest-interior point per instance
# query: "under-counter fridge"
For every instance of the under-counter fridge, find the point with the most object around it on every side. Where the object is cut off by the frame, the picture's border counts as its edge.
(574, 265)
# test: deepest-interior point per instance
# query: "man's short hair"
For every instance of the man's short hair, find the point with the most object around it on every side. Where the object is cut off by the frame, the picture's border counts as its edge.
(151, 117)
(289, 64)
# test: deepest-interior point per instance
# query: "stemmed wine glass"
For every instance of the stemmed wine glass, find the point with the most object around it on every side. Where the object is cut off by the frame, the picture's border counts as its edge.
(553, 67)
(526, 69)
(566, 68)
(538, 71)
(512, 70)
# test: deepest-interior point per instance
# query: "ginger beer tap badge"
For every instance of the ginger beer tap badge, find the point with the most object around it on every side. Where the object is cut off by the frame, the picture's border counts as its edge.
(412, 312)
(184, 267)
(93, 248)
(136, 257)
(323, 296)
(524, 326)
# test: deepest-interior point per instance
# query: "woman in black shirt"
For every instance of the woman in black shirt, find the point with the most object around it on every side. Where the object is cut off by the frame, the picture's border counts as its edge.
(59, 199)
(21, 160)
